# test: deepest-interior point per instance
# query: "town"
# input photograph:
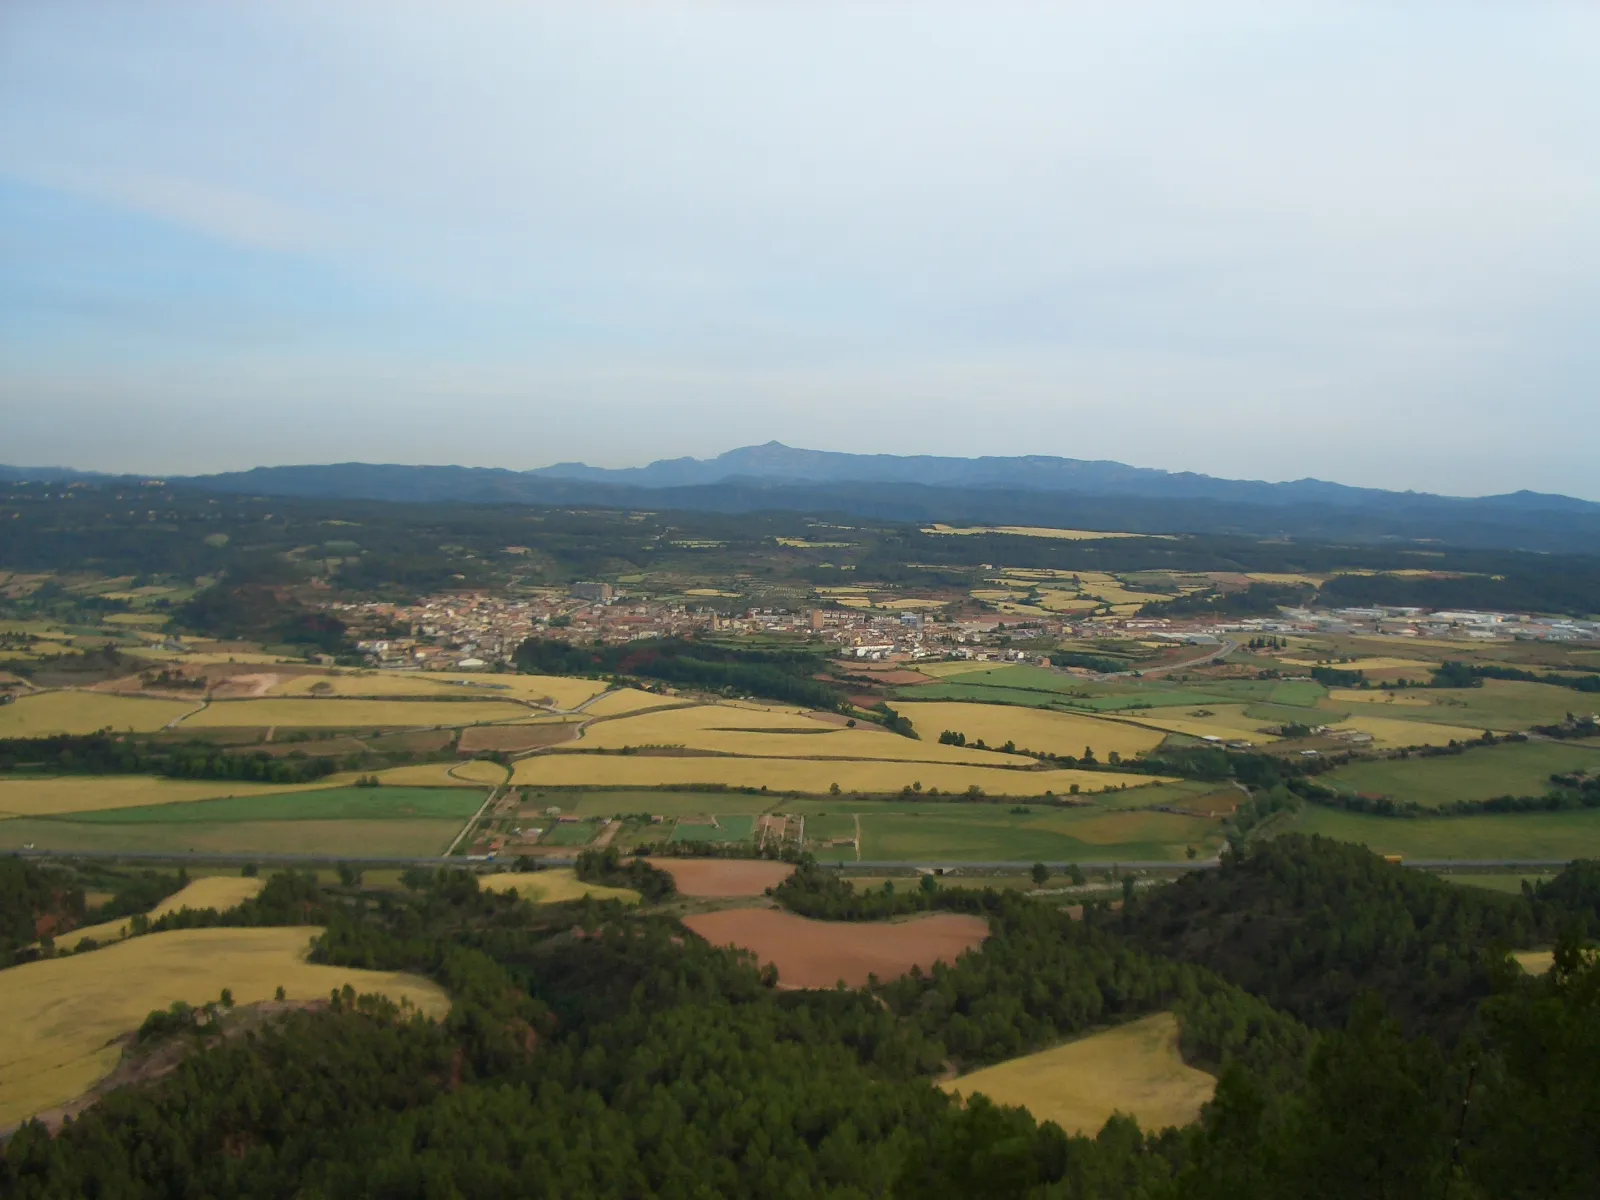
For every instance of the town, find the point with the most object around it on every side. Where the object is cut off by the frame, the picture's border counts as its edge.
(482, 630)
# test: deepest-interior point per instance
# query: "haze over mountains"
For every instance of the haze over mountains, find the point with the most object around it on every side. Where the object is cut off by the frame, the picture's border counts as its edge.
(1031, 490)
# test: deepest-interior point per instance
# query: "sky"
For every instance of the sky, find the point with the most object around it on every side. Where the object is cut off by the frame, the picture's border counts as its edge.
(1354, 241)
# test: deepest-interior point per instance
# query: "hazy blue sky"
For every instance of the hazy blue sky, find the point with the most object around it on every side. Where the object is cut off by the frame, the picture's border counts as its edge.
(1355, 241)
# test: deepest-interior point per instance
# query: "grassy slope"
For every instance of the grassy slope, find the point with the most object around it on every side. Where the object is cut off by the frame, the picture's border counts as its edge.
(331, 804)
(354, 839)
(1519, 769)
(1133, 1068)
(1557, 836)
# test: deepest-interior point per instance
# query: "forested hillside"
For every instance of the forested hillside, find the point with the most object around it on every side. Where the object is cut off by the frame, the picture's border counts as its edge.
(597, 1051)
(1309, 924)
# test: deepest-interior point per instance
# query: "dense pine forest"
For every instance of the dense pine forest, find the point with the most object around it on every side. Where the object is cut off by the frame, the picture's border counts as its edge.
(1370, 1036)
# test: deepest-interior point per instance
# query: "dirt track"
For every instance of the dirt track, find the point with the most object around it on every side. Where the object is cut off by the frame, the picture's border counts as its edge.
(818, 954)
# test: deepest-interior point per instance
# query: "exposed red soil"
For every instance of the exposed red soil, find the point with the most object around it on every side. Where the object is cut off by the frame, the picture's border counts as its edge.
(724, 876)
(819, 954)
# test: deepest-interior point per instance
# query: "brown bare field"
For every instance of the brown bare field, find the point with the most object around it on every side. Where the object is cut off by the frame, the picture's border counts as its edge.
(514, 738)
(724, 876)
(819, 954)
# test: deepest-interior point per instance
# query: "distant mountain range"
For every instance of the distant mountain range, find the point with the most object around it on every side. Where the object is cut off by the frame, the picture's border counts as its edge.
(1026, 490)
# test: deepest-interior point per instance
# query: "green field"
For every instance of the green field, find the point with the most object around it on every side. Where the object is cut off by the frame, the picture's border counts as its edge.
(1295, 714)
(730, 827)
(1481, 773)
(331, 804)
(1182, 794)
(1556, 836)
(1502, 705)
(416, 837)
(828, 826)
(570, 833)
(945, 831)
(664, 804)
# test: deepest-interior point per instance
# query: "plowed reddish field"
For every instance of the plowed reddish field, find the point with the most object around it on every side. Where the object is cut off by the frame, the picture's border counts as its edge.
(724, 876)
(818, 954)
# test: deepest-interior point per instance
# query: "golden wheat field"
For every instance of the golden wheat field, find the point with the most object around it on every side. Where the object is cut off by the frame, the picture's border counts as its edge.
(426, 775)
(1226, 721)
(364, 683)
(1390, 732)
(1031, 728)
(85, 712)
(1535, 962)
(1134, 1069)
(350, 714)
(752, 732)
(629, 700)
(480, 771)
(63, 1015)
(220, 892)
(559, 690)
(810, 776)
(95, 793)
(1378, 698)
(553, 886)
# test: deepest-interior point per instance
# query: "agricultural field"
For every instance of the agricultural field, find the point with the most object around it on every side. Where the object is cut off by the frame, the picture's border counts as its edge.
(220, 892)
(553, 886)
(1503, 705)
(819, 954)
(723, 827)
(519, 736)
(804, 775)
(410, 838)
(1029, 728)
(755, 733)
(628, 700)
(79, 712)
(1134, 1069)
(1229, 722)
(68, 794)
(724, 877)
(321, 804)
(438, 774)
(374, 684)
(1389, 733)
(1038, 531)
(1558, 836)
(570, 833)
(991, 833)
(662, 804)
(1480, 773)
(65, 1015)
(481, 771)
(349, 714)
(559, 691)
